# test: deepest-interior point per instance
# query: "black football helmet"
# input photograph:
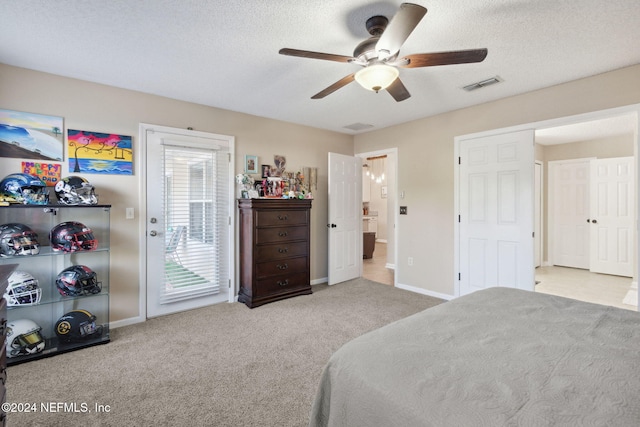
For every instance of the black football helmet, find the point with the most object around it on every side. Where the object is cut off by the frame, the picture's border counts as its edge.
(78, 280)
(78, 325)
(72, 236)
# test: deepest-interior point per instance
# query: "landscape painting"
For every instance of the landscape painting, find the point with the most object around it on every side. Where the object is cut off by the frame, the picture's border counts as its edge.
(99, 153)
(31, 136)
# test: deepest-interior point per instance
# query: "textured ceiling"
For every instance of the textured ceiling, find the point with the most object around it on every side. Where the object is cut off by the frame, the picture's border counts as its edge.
(225, 53)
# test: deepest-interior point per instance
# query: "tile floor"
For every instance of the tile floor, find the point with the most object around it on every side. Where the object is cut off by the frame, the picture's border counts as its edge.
(374, 268)
(585, 286)
(567, 282)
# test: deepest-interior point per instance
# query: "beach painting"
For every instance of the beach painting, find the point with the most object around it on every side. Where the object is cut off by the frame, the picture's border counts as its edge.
(31, 136)
(99, 153)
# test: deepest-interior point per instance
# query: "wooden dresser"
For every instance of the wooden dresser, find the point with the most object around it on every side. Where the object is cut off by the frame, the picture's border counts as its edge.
(274, 250)
(5, 272)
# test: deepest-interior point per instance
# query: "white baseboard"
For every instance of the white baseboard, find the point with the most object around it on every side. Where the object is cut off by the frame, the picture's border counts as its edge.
(390, 266)
(425, 292)
(126, 322)
(319, 281)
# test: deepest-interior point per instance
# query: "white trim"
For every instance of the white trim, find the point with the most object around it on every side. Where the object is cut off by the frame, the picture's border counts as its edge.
(142, 208)
(425, 292)
(594, 115)
(393, 228)
(126, 322)
(320, 281)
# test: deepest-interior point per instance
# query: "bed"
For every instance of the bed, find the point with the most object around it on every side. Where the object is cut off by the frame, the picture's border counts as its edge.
(497, 357)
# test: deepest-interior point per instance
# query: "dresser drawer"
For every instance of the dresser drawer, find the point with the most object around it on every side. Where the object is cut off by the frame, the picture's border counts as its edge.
(269, 218)
(281, 234)
(281, 251)
(284, 266)
(281, 284)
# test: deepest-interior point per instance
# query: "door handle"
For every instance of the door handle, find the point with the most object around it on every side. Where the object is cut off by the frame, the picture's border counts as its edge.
(153, 233)
(594, 221)
(331, 225)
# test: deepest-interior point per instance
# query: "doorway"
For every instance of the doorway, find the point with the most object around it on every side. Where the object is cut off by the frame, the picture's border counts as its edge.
(632, 112)
(574, 237)
(380, 198)
(188, 247)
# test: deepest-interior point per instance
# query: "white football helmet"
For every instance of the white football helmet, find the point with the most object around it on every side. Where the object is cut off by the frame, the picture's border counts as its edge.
(23, 289)
(23, 338)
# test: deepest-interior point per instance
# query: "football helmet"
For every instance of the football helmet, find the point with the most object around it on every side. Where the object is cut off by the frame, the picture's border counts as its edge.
(24, 188)
(78, 280)
(72, 236)
(75, 190)
(23, 338)
(18, 239)
(77, 325)
(23, 289)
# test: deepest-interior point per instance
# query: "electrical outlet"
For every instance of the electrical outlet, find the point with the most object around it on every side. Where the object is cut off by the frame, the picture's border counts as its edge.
(410, 261)
(403, 210)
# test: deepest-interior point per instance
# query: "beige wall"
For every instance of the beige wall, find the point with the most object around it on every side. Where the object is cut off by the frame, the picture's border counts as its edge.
(425, 158)
(426, 163)
(100, 108)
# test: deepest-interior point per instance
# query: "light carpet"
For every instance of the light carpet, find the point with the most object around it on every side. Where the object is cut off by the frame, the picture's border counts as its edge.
(224, 365)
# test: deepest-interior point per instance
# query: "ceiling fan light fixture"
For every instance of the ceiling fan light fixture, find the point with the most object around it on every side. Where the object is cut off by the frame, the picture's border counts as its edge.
(377, 77)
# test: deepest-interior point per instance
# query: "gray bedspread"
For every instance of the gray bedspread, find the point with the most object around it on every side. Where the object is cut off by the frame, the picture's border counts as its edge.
(497, 357)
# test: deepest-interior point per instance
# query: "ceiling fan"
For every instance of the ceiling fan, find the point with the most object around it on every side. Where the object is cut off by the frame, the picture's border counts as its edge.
(379, 54)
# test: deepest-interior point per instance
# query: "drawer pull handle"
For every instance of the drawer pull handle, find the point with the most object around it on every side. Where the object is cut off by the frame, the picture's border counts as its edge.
(283, 282)
(282, 233)
(283, 217)
(283, 266)
(283, 250)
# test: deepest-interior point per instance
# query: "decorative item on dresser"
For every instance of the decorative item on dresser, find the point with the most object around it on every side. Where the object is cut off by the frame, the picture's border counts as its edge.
(5, 272)
(274, 250)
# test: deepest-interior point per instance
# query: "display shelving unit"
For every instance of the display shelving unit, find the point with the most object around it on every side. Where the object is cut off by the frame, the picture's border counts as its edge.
(46, 265)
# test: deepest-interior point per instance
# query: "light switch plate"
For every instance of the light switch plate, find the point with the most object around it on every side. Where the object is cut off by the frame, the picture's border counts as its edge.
(403, 210)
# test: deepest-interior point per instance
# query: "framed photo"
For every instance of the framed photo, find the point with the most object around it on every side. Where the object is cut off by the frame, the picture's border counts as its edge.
(250, 164)
(266, 171)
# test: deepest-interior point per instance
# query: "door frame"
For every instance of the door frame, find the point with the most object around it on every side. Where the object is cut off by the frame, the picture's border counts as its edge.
(392, 202)
(578, 118)
(142, 209)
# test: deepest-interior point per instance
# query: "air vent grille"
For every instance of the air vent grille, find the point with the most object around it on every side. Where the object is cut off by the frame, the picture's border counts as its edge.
(483, 83)
(358, 126)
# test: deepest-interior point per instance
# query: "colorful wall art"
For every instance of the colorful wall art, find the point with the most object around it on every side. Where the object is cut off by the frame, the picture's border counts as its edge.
(100, 153)
(49, 173)
(31, 136)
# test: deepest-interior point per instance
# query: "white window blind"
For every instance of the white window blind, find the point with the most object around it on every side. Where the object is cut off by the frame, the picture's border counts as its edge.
(196, 206)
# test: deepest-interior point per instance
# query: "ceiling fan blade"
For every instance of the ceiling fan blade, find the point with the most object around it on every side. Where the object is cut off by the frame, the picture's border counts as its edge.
(399, 29)
(398, 91)
(315, 55)
(334, 87)
(445, 58)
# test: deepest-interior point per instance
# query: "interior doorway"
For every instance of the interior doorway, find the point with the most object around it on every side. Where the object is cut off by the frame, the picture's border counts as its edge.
(379, 214)
(569, 154)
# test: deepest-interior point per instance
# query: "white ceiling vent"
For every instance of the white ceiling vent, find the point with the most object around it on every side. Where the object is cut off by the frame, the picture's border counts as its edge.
(483, 83)
(358, 126)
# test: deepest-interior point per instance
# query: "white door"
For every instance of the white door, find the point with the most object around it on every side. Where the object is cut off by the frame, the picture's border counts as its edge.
(569, 189)
(189, 190)
(496, 212)
(345, 218)
(612, 216)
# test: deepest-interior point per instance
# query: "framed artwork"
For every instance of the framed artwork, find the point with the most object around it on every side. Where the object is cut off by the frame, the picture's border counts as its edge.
(31, 136)
(49, 173)
(100, 153)
(266, 171)
(280, 163)
(251, 164)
